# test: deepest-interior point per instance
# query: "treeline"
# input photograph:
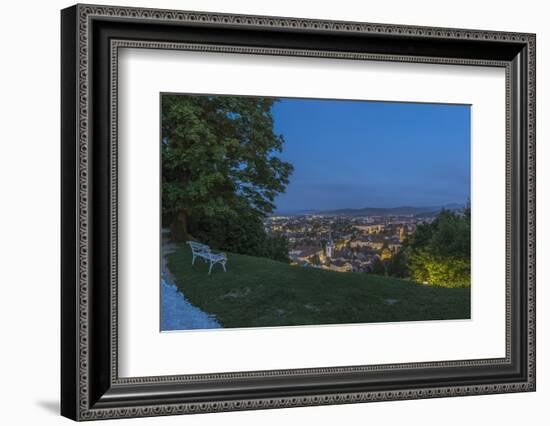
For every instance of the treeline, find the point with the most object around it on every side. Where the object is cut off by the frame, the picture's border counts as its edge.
(242, 233)
(437, 253)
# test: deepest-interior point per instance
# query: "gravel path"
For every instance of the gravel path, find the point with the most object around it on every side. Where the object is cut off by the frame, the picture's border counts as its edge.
(176, 312)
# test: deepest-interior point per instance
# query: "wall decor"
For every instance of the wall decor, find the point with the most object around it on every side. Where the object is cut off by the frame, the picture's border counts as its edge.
(263, 212)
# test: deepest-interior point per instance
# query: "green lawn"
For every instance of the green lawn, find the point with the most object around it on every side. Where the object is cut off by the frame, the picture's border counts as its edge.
(256, 292)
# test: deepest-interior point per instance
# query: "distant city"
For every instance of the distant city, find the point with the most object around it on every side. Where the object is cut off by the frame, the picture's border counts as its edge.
(349, 240)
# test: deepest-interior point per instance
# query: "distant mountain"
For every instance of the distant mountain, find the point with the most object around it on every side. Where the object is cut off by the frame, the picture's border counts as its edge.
(392, 211)
(293, 212)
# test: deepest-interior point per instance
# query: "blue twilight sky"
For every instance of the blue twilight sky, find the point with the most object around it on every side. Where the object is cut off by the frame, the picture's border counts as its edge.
(353, 154)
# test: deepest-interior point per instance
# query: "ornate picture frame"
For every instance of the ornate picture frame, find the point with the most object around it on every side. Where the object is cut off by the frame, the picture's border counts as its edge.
(91, 37)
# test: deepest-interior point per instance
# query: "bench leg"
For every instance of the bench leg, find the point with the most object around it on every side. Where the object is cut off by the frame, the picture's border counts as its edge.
(210, 269)
(193, 261)
(223, 266)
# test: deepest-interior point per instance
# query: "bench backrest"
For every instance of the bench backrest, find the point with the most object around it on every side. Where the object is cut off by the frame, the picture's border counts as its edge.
(198, 247)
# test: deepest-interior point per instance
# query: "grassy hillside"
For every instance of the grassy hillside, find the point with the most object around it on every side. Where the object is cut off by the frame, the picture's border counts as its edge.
(256, 292)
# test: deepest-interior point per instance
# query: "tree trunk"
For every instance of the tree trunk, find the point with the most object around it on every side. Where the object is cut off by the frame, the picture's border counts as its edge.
(179, 231)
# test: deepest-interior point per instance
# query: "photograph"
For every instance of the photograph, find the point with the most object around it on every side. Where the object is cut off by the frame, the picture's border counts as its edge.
(281, 211)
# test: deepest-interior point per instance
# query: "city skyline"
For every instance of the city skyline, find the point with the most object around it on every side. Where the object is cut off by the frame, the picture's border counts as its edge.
(357, 154)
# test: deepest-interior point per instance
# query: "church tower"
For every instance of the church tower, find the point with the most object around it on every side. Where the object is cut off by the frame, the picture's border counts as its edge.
(402, 233)
(329, 249)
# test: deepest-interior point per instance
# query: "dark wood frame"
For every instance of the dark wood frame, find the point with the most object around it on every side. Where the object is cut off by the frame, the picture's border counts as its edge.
(90, 386)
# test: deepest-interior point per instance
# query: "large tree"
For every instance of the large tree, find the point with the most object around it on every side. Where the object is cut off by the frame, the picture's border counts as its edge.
(219, 159)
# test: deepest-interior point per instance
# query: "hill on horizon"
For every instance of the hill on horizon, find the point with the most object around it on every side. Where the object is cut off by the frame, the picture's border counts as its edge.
(381, 211)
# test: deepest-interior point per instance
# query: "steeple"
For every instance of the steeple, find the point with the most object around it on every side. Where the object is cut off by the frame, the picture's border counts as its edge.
(402, 233)
(329, 247)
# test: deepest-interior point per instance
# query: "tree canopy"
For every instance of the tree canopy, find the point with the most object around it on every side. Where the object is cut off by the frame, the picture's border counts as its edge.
(219, 164)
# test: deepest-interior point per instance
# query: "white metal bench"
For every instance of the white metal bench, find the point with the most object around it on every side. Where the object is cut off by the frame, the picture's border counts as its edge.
(203, 251)
(214, 258)
(198, 250)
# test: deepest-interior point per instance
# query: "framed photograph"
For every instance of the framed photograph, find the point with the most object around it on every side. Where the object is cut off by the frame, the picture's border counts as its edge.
(263, 212)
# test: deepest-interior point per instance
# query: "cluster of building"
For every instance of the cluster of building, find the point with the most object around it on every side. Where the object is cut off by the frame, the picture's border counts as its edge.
(342, 243)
